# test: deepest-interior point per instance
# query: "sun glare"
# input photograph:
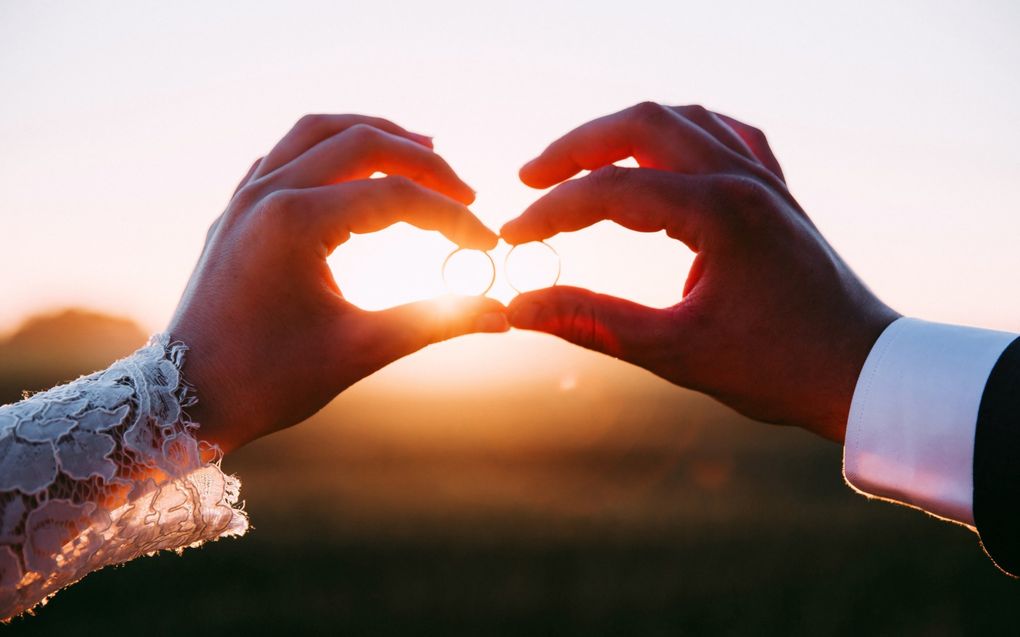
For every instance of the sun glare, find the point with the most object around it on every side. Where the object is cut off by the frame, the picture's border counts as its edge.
(403, 264)
(398, 265)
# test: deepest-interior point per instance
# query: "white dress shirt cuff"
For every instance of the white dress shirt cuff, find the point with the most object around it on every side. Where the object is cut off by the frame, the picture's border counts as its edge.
(910, 435)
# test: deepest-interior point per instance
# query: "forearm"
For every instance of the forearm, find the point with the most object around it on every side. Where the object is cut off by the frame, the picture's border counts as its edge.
(102, 470)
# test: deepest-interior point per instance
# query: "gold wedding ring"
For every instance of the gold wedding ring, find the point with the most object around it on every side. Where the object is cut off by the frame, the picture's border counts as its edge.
(527, 266)
(531, 266)
(463, 272)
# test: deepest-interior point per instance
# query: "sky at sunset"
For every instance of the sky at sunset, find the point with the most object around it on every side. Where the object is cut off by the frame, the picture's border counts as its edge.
(125, 127)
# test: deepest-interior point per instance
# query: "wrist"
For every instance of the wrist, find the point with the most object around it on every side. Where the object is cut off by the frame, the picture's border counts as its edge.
(203, 370)
(849, 358)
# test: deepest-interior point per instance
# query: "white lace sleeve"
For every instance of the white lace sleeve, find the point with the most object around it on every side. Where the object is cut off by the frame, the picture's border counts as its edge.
(103, 470)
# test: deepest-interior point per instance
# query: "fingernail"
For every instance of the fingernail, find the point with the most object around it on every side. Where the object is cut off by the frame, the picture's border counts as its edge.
(492, 322)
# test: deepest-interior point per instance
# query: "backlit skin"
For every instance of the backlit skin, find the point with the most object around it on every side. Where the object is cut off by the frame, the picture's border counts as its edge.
(773, 322)
(272, 339)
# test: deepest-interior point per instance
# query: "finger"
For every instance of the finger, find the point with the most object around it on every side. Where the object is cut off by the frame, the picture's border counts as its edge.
(757, 142)
(369, 205)
(598, 322)
(361, 151)
(408, 328)
(312, 129)
(716, 127)
(639, 199)
(652, 134)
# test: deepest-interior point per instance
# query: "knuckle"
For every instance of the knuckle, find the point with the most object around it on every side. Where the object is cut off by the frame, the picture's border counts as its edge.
(649, 111)
(401, 185)
(756, 135)
(361, 134)
(378, 122)
(695, 112)
(278, 204)
(310, 122)
(247, 195)
(609, 177)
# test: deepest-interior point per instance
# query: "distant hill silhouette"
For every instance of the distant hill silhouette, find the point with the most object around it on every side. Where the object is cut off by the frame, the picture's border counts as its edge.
(50, 348)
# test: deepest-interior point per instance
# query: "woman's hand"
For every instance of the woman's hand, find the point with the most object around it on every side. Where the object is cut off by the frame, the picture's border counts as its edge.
(773, 322)
(272, 339)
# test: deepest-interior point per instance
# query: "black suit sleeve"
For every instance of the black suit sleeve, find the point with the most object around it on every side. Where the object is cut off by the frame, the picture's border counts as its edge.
(997, 463)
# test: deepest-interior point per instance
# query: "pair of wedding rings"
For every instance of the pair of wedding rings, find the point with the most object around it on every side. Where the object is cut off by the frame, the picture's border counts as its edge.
(527, 266)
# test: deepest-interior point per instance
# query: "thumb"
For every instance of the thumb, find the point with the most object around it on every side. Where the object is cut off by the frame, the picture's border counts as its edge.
(597, 322)
(405, 329)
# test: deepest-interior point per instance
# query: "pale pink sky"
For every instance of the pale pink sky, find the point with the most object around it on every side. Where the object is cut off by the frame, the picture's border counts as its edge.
(125, 125)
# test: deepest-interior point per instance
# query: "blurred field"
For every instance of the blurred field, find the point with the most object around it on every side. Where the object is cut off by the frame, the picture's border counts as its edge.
(602, 503)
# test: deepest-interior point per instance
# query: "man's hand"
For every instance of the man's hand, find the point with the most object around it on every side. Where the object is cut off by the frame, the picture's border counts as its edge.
(772, 323)
(272, 339)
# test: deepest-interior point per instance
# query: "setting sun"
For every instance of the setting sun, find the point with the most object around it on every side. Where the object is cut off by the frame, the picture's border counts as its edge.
(519, 440)
(403, 264)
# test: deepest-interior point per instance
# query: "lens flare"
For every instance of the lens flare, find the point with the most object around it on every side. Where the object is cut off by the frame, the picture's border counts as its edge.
(530, 266)
(469, 272)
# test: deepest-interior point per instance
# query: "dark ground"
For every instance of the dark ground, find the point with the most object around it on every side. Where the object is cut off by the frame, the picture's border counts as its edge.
(544, 511)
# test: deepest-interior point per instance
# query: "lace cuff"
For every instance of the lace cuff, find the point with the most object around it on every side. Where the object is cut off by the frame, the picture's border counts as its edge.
(103, 470)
